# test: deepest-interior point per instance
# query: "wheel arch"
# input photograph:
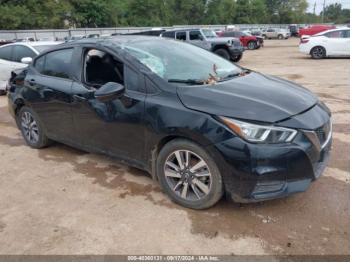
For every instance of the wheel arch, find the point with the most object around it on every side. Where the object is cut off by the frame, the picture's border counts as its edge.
(160, 145)
(18, 104)
(221, 46)
(316, 47)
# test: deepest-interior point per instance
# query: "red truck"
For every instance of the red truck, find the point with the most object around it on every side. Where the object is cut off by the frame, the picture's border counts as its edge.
(249, 41)
(315, 29)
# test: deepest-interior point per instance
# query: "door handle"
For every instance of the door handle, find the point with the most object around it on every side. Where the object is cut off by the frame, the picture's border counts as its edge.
(79, 98)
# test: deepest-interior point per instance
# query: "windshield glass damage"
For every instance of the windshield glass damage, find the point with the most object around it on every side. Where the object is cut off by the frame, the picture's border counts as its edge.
(182, 63)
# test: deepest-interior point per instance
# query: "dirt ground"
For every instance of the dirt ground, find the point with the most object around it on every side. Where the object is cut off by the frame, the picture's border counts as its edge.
(63, 201)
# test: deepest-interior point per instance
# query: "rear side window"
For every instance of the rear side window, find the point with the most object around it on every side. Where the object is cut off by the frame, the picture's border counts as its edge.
(169, 34)
(20, 52)
(335, 34)
(55, 63)
(181, 36)
(347, 34)
(5, 52)
(228, 34)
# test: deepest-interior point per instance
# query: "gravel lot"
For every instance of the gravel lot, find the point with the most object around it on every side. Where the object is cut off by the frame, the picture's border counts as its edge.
(63, 201)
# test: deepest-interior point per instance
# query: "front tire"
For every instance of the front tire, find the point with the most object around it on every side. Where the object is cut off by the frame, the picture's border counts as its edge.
(318, 52)
(31, 128)
(189, 175)
(223, 53)
(237, 58)
(280, 37)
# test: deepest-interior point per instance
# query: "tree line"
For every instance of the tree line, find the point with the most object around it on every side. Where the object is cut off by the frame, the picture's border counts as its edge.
(41, 14)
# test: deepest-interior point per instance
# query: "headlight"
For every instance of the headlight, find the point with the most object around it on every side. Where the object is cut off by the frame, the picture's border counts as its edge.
(258, 133)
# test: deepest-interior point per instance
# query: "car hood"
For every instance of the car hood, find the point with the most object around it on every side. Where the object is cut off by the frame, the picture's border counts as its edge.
(255, 97)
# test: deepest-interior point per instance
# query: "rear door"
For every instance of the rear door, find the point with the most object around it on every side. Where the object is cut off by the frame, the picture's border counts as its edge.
(337, 43)
(48, 90)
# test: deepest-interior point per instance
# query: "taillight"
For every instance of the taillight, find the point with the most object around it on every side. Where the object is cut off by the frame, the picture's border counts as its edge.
(304, 41)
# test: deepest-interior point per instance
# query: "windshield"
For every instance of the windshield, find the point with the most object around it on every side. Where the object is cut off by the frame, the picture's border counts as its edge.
(176, 61)
(42, 48)
(209, 33)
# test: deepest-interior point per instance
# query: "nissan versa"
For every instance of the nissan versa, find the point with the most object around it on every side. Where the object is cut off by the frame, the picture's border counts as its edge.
(199, 124)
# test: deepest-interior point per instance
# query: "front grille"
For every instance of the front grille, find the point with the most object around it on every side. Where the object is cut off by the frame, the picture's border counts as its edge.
(237, 44)
(323, 132)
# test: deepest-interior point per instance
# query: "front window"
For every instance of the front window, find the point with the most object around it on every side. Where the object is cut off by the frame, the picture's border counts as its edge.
(176, 61)
(209, 33)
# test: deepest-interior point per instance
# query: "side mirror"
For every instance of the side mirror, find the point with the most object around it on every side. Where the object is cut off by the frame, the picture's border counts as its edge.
(109, 91)
(26, 60)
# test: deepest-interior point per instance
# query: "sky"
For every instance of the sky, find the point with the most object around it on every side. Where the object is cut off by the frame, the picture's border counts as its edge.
(319, 4)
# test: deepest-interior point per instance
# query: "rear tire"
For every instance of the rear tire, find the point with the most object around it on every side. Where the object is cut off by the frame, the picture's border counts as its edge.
(31, 128)
(2, 92)
(280, 37)
(318, 52)
(223, 53)
(194, 181)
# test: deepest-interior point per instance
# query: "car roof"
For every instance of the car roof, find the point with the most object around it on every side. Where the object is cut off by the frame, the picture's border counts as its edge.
(333, 30)
(33, 44)
(183, 29)
(117, 40)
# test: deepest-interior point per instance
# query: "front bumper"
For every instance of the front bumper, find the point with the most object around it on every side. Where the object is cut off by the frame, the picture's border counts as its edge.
(254, 173)
(236, 51)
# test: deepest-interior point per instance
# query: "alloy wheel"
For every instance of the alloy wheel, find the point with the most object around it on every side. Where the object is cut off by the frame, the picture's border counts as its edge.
(251, 45)
(188, 175)
(318, 52)
(30, 127)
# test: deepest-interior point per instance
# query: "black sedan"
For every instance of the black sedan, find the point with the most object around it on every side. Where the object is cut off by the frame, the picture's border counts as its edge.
(200, 125)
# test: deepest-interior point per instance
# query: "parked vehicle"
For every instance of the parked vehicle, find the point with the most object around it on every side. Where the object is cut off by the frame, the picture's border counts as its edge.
(249, 41)
(18, 55)
(276, 33)
(315, 29)
(5, 42)
(199, 124)
(294, 30)
(226, 47)
(258, 36)
(331, 43)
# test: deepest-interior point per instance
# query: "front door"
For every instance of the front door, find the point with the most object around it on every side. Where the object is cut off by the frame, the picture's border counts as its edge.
(115, 127)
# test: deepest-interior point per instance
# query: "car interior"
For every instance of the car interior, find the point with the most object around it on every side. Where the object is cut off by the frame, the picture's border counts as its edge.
(101, 68)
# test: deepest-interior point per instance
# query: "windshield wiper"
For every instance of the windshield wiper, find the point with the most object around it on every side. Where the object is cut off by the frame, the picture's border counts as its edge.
(230, 76)
(187, 81)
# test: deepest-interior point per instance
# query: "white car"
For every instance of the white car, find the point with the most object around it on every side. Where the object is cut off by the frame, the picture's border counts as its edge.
(17, 56)
(276, 33)
(331, 43)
